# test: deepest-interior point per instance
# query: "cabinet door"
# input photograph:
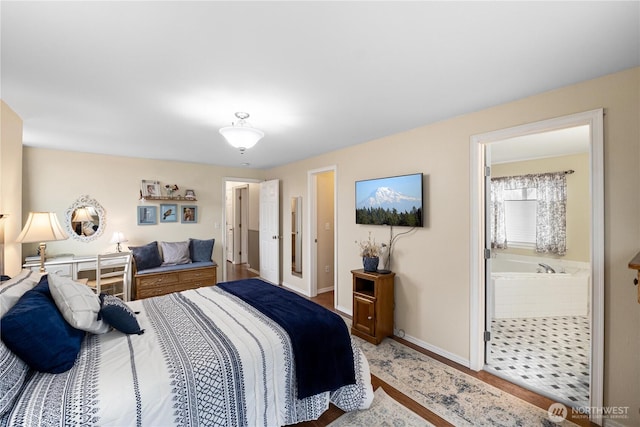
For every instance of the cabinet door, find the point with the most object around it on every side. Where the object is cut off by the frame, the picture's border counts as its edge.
(364, 315)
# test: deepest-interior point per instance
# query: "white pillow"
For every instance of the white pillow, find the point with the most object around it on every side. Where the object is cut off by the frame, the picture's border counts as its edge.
(175, 253)
(11, 290)
(78, 304)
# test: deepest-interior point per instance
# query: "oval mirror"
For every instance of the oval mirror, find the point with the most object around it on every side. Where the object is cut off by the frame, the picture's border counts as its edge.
(85, 220)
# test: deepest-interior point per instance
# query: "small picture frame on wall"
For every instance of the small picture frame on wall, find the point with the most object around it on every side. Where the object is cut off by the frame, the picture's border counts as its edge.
(190, 195)
(149, 188)
(168, 213)
(147, 215)
(188, 214)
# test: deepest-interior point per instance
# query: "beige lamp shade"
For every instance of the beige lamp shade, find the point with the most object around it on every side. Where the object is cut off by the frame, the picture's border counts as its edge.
(82, 215)
(41, 227)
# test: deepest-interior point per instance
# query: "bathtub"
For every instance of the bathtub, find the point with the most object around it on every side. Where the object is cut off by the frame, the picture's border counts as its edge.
(521, 288)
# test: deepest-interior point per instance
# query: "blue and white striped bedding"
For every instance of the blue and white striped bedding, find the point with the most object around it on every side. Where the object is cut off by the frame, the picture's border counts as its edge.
(206, 359)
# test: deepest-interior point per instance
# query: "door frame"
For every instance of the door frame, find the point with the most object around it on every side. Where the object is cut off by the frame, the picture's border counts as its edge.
(312, 226)
(594, 119)
(239, 181)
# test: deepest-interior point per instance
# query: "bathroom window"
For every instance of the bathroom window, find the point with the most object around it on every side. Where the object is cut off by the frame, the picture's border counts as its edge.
(548, 192)
(520, 217)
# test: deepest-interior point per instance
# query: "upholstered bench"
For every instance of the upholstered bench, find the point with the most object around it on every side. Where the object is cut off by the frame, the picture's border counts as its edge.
(178, 266)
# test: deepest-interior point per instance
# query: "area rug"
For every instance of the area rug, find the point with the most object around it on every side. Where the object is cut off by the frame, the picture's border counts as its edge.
(453, 395)
(384, 411)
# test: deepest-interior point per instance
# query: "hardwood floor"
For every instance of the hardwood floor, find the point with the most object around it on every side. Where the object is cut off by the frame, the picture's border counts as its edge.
(326, 300)
(238, 271)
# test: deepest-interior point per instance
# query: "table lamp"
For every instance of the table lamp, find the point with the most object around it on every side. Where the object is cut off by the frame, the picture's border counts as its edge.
(117, 238)
(41, 227)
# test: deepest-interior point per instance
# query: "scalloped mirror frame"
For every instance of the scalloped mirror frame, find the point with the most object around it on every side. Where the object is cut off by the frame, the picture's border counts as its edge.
(84, 201)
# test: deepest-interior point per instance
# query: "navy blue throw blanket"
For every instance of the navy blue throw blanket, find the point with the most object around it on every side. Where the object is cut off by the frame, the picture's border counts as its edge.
(320, 339)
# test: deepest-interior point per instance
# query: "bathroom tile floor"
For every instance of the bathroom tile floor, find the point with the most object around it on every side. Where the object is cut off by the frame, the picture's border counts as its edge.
(547, 354)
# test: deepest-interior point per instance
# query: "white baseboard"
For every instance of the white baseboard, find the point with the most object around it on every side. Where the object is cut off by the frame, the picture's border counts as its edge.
(344, 310)
(327, 289)
(253, 271)
(294, 289)
(437, 350)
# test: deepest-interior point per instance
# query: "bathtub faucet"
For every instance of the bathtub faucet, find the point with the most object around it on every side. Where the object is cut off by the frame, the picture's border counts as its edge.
(547, 268)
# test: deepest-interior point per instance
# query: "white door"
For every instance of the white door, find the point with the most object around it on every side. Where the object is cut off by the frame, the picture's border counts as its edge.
(229, 223)
(270, 231)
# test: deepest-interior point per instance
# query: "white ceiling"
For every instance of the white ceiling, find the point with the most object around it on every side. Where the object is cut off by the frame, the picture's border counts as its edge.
(554, 143)
(157, 79)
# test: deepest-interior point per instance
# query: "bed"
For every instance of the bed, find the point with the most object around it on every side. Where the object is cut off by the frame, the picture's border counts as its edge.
(208, 356)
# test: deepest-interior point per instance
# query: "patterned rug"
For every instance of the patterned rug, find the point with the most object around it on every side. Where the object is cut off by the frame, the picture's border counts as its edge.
(384, 411)
(458, 398)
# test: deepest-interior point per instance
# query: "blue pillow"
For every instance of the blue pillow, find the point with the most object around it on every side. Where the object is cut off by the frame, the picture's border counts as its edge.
(147, 256)
(119, 315)
(201, 250)
(37, 333)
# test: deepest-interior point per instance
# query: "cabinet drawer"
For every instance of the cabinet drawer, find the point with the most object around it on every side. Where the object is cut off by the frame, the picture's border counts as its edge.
(60, 270)
(204, 275)
(159, 280)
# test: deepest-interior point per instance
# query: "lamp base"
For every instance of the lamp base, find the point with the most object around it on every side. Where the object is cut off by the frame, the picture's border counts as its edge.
(42, 248)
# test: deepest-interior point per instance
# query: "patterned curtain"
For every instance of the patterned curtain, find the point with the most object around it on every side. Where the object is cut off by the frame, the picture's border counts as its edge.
(551, 213)
(551, 210)
(498, 225)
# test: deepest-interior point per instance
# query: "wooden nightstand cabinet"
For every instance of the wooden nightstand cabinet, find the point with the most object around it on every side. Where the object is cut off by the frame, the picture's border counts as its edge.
(372, 305)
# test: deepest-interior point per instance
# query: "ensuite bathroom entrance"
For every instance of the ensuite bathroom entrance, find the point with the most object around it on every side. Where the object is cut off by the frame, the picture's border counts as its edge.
(538, 283)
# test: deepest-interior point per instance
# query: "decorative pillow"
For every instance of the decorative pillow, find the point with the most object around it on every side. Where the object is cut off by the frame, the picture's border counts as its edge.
(174, 253)
(116, 313)
(11, 290)
(201, 250)
(37, 333)
(13, 372)
(146, 256)
(78, 304)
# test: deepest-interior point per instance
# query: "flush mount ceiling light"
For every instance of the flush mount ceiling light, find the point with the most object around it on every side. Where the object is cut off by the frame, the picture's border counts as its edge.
(241, 135)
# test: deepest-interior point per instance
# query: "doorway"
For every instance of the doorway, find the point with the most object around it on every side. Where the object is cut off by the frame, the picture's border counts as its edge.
(485, 289)
(537, 312)
(240, 239)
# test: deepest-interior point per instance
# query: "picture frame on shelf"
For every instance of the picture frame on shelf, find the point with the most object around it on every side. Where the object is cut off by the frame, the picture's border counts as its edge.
(188, 214)
(189, 194)
(150, 188)
(168, 213)
(147, 215)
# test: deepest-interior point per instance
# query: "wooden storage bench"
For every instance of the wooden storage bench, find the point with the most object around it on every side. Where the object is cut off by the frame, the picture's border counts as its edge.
(175, 278)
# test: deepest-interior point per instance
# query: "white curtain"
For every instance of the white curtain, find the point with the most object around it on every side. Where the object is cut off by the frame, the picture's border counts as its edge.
(551, 210)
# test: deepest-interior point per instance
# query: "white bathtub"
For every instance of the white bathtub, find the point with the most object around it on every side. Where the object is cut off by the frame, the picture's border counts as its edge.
(519, 290)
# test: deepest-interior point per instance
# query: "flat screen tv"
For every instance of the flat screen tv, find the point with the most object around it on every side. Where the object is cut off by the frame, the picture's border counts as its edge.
(395, 200)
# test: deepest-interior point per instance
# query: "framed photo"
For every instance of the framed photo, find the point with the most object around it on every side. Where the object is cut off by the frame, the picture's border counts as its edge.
(150, 188)
(168, 213)
(190, 194)
(188, 214)
(147, 215)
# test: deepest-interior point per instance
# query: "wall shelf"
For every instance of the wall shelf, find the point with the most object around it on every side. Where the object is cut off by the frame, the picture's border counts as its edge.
(171, 199)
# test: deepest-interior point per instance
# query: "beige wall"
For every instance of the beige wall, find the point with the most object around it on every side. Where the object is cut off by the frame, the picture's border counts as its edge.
(578, 200)
(53, 180)
(432, 263)
(325, 231)
(10, 185)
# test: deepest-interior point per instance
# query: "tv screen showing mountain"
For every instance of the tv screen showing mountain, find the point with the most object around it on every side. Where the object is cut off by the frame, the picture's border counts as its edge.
(395, 200)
